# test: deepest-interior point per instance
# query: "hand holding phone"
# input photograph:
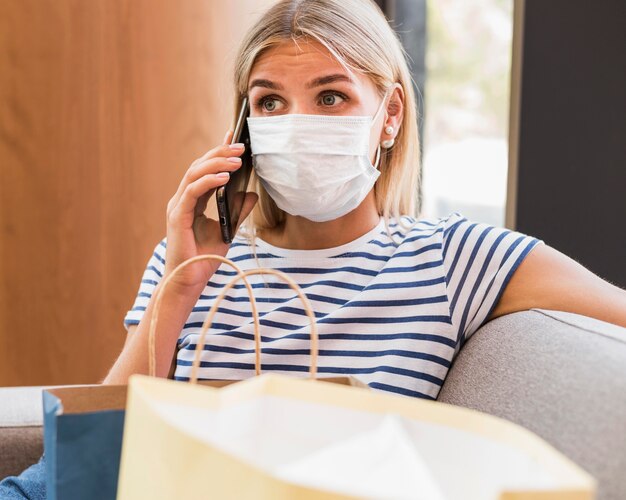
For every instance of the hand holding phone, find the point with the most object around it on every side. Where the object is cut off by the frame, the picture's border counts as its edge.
(230, 197)
(189, 231)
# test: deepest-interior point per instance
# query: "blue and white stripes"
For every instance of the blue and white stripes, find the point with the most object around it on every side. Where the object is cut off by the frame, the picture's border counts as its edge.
(392, 314)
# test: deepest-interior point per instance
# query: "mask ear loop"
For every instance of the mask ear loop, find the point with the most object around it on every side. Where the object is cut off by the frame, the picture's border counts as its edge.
(377, 160)
(380, 108)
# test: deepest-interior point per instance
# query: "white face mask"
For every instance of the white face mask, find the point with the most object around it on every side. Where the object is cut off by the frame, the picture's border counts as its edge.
(315, 166)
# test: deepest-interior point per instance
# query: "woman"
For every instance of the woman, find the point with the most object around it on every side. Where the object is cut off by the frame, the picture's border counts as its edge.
(328, 82)
(333, 131)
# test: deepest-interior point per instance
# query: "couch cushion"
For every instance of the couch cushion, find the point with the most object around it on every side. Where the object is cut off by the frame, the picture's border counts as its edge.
(23, 406)
(21, 432)
(561, 375)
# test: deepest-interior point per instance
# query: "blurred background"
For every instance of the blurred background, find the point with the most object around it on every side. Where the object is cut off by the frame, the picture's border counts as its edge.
(105, 103)
(468, 67)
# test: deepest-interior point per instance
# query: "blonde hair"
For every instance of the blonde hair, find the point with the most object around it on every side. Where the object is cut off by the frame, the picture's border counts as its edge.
(357, 34)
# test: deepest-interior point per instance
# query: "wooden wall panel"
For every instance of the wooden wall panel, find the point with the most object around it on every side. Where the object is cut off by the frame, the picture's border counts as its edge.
(104, 104)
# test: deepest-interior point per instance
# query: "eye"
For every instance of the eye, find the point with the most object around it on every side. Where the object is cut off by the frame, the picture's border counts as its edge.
(268, 104)
(330, 98)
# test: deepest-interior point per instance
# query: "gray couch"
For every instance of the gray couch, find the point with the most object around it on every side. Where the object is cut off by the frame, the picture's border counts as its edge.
(561, 375)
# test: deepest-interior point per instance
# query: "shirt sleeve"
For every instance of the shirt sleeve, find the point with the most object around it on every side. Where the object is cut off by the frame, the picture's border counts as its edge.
(151, 277)
(479, 260)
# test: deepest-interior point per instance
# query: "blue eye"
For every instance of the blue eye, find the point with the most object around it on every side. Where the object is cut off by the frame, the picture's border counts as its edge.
(269, 104)
(330, 99)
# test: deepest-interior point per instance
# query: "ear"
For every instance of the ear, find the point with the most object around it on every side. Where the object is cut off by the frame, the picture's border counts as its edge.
(393, 113)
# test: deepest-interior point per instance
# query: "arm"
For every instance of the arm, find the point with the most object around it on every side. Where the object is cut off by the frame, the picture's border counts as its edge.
(189, 234)
(175, 310)
(549, 279)
(131, 332)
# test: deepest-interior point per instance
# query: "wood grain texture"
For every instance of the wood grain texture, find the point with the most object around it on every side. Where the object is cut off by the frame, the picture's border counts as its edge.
(105, 103)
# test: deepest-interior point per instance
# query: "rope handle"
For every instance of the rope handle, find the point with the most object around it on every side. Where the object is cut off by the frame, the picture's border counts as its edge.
(157, 306)
(243, 275)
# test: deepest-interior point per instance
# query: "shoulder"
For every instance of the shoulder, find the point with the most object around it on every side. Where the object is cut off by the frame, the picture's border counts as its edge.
(466, 237)
(421, 223)
(479, 256)
(478, 261)
(418, 233)
(408, 229)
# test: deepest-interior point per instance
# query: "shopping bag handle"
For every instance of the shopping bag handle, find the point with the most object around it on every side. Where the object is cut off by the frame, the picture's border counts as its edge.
(243, 275)
(157, 306)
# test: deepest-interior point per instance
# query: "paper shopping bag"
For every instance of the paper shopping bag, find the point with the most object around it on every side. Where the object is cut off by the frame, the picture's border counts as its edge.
(275, 437)
(83, 440)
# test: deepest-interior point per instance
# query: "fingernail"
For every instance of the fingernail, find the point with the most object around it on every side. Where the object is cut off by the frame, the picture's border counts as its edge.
(226, 136)
(237, 145)
(234, 159)
(223, 175)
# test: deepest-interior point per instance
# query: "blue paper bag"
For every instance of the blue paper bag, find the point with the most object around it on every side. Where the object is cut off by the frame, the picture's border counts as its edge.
(83, 429)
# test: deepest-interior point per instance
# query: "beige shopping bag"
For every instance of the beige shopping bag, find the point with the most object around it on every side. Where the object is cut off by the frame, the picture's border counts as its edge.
(276, 437)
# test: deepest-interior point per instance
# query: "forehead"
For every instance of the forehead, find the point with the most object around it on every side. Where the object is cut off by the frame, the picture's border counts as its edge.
(299, 61)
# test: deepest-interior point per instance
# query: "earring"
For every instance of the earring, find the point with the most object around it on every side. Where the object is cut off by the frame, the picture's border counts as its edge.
(389, 142)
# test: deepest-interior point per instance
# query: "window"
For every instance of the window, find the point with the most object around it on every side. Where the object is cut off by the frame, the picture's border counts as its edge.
(468, 62)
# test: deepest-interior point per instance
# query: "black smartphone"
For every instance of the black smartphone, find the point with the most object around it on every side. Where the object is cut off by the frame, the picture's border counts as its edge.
(230, 197)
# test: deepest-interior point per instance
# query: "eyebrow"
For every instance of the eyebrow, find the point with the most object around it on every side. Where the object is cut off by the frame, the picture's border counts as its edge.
(317, 82)
(338, 77)
(268, 84)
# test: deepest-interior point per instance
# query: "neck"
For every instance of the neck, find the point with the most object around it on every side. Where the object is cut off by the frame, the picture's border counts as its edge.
(298, 233)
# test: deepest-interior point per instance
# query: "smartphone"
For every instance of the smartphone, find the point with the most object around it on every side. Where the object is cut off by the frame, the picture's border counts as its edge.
(230, 197)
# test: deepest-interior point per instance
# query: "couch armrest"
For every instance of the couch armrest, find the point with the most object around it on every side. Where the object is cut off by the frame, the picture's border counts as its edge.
(560, 375)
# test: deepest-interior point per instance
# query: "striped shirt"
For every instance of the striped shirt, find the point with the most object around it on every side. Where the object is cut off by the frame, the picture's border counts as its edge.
(390, 312)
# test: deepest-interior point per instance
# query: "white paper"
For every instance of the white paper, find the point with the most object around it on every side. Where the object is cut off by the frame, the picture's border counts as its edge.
(359, 453)
(379, 463)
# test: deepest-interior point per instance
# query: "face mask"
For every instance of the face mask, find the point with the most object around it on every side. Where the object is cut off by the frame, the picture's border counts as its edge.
(315, 166)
